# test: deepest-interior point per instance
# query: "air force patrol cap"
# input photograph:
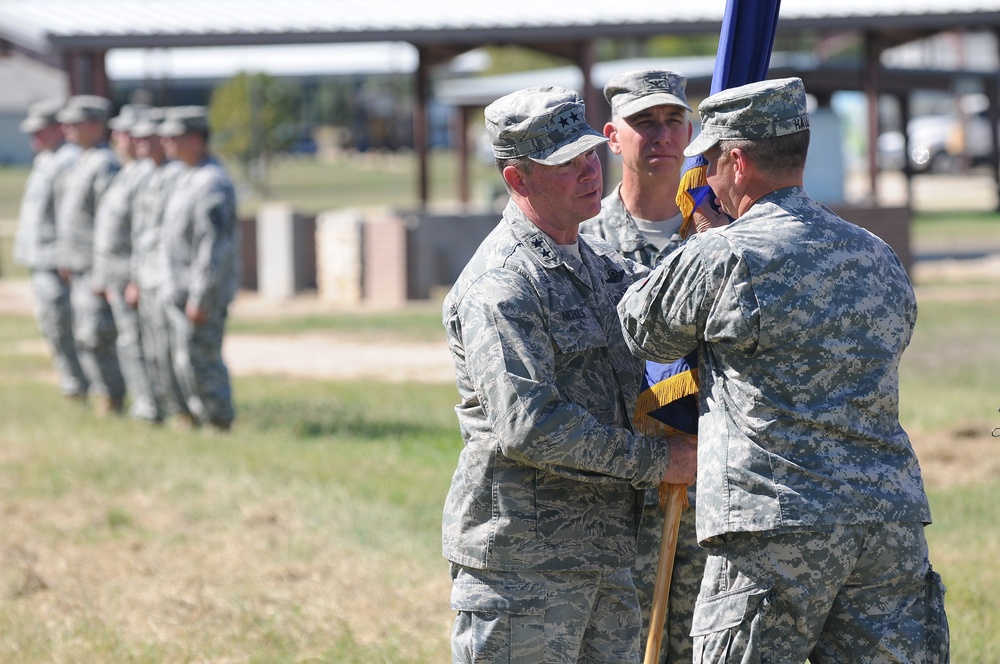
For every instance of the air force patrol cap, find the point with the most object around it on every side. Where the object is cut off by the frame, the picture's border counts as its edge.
(180, 120)
(85, 108)
(756, 110)
(636, 91)
(544, 124)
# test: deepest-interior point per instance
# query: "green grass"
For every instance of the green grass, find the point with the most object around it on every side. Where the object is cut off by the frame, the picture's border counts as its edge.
(313, 529)
(420, 322)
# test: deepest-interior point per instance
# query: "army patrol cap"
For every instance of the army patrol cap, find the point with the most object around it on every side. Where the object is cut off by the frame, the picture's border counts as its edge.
(41, 114)
(756, 110)
(181, 120)
(544, 124)
(636, 91)
(83, 108)
(128, 116)
(148, 125)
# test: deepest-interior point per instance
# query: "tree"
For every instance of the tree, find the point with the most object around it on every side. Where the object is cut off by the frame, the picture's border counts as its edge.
(253, 117)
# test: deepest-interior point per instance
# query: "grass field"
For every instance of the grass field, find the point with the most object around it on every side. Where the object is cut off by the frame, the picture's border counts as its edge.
(311, 533)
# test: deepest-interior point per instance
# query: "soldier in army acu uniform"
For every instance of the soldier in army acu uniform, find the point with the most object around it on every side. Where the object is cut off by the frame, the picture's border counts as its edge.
(540, 522)
(201, 241)
(113, 255)
(810, 499)
(35, 242)
(649, 130)
(84, 119)
(148, 267)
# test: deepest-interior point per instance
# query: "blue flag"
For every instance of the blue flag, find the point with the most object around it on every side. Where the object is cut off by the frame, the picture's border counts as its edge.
(668, 402)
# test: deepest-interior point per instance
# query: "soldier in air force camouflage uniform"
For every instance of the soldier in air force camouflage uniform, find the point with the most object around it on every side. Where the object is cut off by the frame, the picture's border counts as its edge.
(810, 499)
(84, 119)
(148, 267)
(35, 242)
(201, 241)
(649, 129)
(112, 260)
(541, 519)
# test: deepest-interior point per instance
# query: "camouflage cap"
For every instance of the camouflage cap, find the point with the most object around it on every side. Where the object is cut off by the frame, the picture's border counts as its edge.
(181, 120)
(83, 108)
(128, 116)
(41, 114)
(636, 91)
(757, 110)
(147, 125)
(544, 124)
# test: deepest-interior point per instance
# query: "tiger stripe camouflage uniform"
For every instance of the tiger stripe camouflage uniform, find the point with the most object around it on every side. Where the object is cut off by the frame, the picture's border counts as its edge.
(35, 247)
(810, 496)
(541, 518)
(93, 323)
(112, 271)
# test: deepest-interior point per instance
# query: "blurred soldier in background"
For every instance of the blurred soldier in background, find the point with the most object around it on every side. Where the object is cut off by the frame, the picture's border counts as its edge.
(148, 267)
(35, 243)
(112, 259)
(84, 119)
(202, 249)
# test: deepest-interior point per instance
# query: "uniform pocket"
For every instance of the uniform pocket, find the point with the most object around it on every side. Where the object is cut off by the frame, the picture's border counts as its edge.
(938, 634)
(728, 627)
(498, 622)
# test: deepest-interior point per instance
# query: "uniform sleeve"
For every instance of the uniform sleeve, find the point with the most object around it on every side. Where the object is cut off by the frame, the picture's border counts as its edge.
(512, 365)
(214, 218)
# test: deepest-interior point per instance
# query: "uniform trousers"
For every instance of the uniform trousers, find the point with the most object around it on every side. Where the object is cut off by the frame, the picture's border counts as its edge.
(835, 595)
(131, 356)
(550, 617)
(201, 372)
(95, 334)
(54, 316)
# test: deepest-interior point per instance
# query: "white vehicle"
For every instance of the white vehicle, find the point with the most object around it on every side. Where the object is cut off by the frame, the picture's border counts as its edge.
(941, 143)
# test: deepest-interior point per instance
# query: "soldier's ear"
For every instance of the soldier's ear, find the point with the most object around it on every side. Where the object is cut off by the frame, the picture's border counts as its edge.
(611, 133)
(515, 180)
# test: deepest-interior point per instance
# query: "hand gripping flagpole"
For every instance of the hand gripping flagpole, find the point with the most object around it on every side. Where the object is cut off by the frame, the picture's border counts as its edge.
(744, 55)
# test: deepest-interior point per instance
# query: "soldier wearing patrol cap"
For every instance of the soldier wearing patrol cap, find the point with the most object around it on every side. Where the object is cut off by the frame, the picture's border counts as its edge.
(201, 243)
(810, 500)
(35, 242)
(113, 258)
(541, 518)
(649, 130)
(84, 120)
(148, 265)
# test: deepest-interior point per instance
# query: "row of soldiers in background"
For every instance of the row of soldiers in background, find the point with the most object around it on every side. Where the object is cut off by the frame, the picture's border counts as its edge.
(134, 253)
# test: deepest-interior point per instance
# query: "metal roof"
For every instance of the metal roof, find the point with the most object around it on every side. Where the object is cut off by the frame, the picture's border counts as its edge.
(48, 26)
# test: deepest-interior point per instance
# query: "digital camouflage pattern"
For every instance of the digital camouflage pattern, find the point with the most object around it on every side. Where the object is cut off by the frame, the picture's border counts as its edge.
(757, 110)
(544, 617)
(202, 246)
(149, 273)
(635, 91)
(799, 319)
(113, 225)
(616, 226)
(848, 593)
(550, 472)
(35, 245)
(84, 186)
(93, 323)
(35, 248)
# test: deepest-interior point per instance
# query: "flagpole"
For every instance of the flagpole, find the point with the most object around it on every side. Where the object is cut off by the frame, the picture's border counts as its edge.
(673, 500)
